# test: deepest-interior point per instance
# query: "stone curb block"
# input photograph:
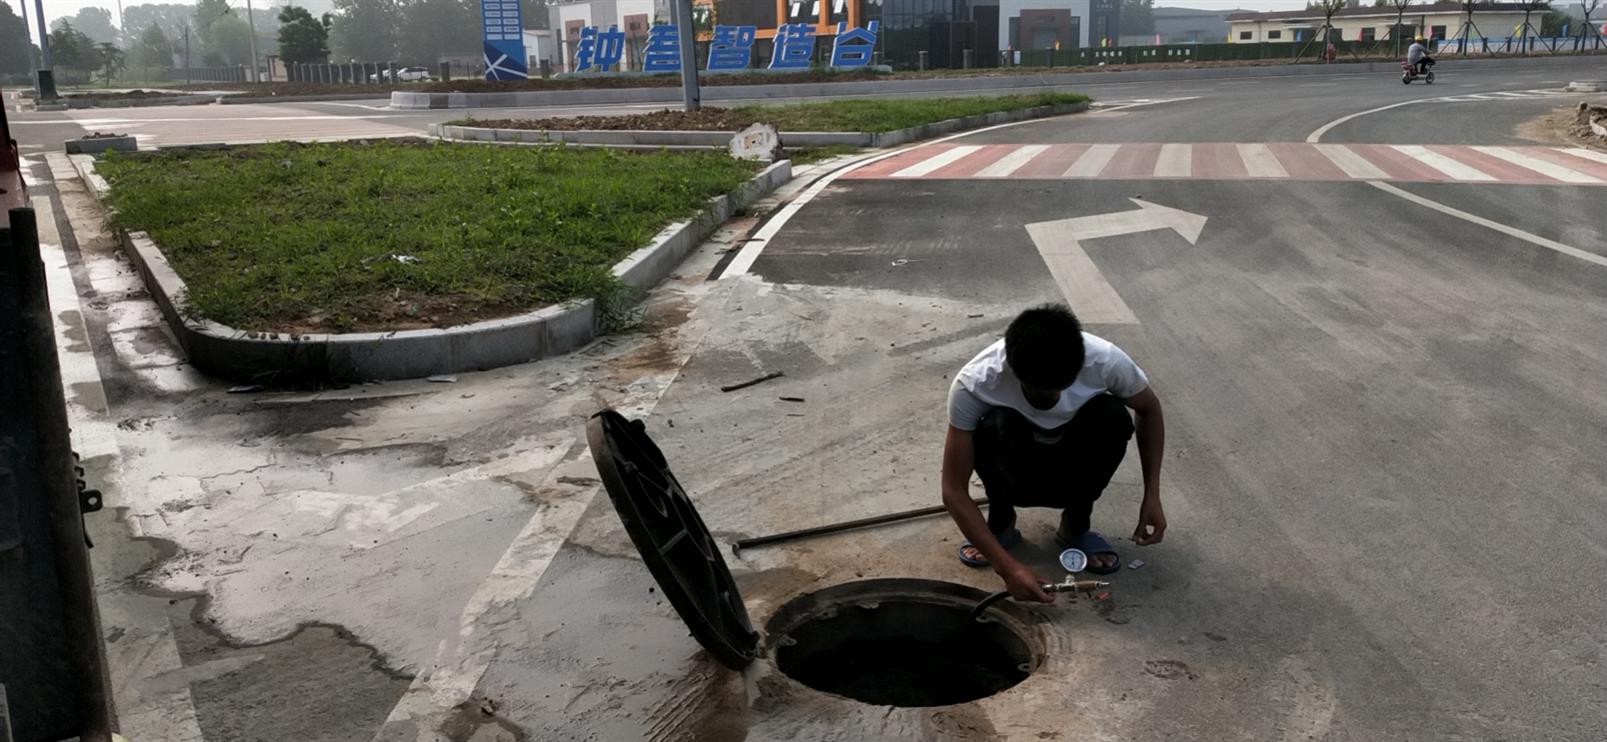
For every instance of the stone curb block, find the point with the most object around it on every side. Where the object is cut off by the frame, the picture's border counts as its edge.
(968, 85)
(100, 144)
(170, 100)
(236, 100)
(723, 138)
(236, 355)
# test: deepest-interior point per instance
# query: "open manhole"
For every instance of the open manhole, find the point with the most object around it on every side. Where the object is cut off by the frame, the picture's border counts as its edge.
(902, 642)
(894, 642)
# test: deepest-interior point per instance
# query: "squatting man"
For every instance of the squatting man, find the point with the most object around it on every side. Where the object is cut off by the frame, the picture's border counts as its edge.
(1042, 417)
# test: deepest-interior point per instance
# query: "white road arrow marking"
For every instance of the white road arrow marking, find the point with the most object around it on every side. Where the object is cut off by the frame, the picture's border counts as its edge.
(1091, 296)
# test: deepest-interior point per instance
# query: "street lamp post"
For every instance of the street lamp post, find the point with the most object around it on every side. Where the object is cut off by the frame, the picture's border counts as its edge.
(251, 22)
(46, 77)
(690, 97)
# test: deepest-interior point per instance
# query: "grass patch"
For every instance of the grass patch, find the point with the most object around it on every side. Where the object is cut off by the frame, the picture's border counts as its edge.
(890, 114)
(869, 115)
(812, 155)
(342, 237)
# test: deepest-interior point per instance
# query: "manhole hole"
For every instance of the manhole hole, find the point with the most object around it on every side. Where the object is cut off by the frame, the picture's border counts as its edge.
(902, 642)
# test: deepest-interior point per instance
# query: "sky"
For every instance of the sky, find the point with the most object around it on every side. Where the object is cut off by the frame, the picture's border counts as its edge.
(67, 8)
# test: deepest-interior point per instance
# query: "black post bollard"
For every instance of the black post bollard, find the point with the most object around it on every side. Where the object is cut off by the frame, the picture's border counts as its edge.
(39, 488)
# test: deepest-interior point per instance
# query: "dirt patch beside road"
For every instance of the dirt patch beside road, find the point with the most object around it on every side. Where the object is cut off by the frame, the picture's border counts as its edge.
(1566, 127)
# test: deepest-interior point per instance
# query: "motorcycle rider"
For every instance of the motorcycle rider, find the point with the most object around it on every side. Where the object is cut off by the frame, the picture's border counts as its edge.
(1417, 56)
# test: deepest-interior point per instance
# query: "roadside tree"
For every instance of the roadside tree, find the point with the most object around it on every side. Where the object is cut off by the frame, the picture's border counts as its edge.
(15, 44)
(110, 61)
(302, 38)
(365, 30)
(430, 28)
(152, 52)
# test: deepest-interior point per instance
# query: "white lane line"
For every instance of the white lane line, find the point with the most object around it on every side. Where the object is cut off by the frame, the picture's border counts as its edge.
(1316, 136)
(1259, 162)
(1533, 239)
(936, 161)
(1092, 161)
(1442, 163)
(750, 252)
(1175, 161)
(1548, 169)
(1588, 154)
(1013, 161)
(1350, 162)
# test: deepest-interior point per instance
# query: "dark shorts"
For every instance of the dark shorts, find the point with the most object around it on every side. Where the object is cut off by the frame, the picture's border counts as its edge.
(1023, 465)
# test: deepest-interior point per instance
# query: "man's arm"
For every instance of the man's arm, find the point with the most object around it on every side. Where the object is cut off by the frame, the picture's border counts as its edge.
(1151, 426)
(959, 460)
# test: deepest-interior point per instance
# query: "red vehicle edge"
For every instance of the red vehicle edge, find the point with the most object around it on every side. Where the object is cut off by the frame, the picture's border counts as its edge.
(12, 192)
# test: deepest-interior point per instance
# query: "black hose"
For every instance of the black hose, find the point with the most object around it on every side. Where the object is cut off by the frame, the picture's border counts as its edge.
(976, 612)
(749, 543)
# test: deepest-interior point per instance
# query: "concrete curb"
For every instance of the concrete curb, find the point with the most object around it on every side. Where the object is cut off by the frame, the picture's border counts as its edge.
(236, 100)
(422, 101)
(100, 144)
(639, 138)
(167, 100)
(279, 358)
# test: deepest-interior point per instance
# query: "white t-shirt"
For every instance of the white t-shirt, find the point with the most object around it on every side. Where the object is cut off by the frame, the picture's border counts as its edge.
(987, 382)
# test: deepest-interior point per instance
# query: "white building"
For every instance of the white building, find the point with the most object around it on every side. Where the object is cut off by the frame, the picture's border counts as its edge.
(1365, 23)
(542, 46)
(633, 17)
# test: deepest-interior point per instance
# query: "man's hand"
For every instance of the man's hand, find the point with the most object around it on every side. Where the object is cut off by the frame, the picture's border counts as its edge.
(1024, 584)
(1151, 428)
(1151, 522)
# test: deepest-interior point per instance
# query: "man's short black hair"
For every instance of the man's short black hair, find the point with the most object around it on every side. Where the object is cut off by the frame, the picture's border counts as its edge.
(1044, 346)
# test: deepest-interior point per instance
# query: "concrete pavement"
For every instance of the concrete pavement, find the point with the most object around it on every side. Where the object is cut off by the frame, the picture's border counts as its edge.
(1380, 477)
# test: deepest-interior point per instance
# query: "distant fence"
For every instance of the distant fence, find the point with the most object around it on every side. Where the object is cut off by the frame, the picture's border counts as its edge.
(207, 74)
(1225, 52)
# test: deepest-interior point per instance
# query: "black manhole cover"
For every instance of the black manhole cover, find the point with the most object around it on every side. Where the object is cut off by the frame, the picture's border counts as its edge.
(674, 543)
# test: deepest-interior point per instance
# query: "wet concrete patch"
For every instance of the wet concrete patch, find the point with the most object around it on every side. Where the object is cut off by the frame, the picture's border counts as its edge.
(344, 693)
(88, 394)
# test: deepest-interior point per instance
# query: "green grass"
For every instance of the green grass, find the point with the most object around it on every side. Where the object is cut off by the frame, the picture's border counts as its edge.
(302, 238)
(812, 155)
(889, 114)
(868, 115)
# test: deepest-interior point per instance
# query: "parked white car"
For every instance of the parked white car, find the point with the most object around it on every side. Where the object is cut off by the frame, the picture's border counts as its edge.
(405, 74)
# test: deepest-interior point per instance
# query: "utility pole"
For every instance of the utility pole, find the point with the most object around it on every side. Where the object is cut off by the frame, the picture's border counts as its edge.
(46, 77)
(187, 53)
(690, 97)
(31, 66)
(251, 21)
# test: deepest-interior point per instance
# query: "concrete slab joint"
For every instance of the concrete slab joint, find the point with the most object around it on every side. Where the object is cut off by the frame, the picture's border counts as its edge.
(240, 355)
(794, 139)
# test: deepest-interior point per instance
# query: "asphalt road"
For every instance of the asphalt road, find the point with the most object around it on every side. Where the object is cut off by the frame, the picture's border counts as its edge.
(1383, 473)
(1229, 109)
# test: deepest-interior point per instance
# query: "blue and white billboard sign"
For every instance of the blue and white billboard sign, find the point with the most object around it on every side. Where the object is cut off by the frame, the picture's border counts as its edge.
(730, 47)
(502, 27)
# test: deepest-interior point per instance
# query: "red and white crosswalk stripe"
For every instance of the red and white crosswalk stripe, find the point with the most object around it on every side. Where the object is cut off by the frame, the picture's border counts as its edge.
(1249, 161)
